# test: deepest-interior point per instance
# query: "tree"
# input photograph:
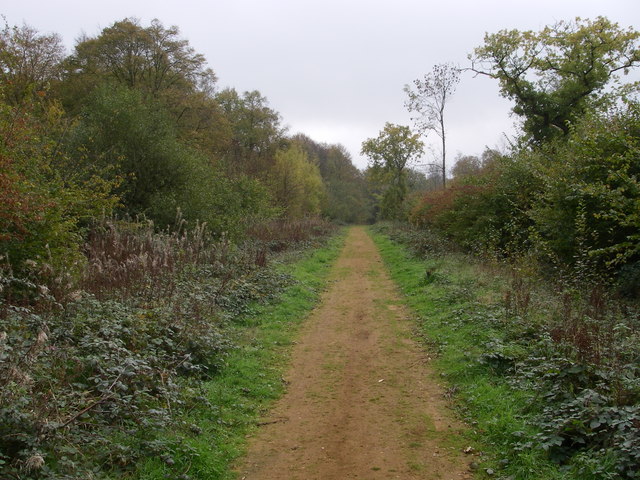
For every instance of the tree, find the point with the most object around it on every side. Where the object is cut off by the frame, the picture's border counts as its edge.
(256, 132)
(556, 74)
(43, 208)
(588, 214)
(429, 100)
(469, 165)
(201, 122)
(391, 152)
(466, 165)
(296, 182)
(152, 59)
(133, 139)
(28, 61)
(160, 64)
(346, 188)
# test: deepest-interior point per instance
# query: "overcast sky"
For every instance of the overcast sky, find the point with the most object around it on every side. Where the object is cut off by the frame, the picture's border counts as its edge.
(335, 69)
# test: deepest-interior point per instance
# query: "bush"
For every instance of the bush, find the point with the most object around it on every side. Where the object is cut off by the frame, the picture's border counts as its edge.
(133, 139)
(286, 233)
(486, 213)
(573, 353)
(588, 210)
(43, 208)
(572, 204)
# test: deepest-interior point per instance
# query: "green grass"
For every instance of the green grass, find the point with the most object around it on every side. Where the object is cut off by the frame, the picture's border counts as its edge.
(251, 379)
(441, 291)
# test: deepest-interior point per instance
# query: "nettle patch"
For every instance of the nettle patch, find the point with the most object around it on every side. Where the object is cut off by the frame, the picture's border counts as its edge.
(585, 398)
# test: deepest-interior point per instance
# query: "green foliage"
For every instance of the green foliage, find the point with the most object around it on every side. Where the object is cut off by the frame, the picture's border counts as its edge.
(107, 379)
(108, 328)
(256, 133)
(134, 137)
(548, 377)
(347, 199)
(563, 202)
(486, 213)
(252, 377)
(556, 75)
(201, 123)
(227, 205)
(466, 166)
(589, 209)
(391, 153)
(28, 61)
(155, 61)
(152, 59)
(149, 135)
(296, 183)
(42, 210)
(572, 204)
(72, 380)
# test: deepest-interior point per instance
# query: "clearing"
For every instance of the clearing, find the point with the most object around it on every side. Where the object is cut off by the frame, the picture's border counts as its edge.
(362, 401)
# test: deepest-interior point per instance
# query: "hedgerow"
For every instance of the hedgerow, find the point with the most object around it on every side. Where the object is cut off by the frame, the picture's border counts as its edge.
(570, 350)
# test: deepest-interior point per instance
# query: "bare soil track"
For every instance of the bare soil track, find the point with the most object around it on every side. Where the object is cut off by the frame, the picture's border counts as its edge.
(362, 401)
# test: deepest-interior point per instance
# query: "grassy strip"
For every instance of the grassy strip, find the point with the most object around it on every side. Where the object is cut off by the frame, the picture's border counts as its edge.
(251, 379)
(442, 291)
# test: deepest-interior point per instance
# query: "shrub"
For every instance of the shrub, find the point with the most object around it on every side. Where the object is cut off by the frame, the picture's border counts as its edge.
(43, 210)
(588, 210)
(486, 212)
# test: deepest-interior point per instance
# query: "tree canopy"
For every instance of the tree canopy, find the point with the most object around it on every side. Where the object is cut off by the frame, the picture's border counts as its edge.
(558, 73)
(390, 153)
(153, 58)
(28, 60)
(130, 123)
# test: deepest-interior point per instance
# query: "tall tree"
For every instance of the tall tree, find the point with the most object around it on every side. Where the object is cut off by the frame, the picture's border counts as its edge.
(428, 100)
(256, 132)
(132, 138)
(556, 74)
(152, 59)
(391, 152)
(466, 165)
(296, 183)
(346, 189)
(28, 60)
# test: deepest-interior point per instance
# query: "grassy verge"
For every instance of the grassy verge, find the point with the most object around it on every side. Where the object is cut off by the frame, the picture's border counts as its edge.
(460, 314)
(250, 380)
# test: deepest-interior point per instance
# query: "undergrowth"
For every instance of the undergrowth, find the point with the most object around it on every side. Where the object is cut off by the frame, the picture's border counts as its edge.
(251, 378)
(98, 371)
(548, 375)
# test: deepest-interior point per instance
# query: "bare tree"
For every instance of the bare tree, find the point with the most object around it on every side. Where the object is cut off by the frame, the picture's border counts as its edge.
(428, 98)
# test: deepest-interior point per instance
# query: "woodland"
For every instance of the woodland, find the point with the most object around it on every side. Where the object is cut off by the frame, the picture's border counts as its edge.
(144, 213)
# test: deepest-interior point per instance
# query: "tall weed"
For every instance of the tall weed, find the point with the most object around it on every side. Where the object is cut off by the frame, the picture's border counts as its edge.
(93, 373)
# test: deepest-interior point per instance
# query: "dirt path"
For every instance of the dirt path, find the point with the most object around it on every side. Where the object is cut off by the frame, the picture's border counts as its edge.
(361, 401)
